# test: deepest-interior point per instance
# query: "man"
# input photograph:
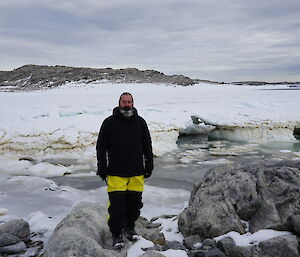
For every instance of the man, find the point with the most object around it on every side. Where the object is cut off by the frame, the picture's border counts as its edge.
(124, 154)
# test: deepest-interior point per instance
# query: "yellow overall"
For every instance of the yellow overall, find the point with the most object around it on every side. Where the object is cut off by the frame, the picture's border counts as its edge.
(125, 196)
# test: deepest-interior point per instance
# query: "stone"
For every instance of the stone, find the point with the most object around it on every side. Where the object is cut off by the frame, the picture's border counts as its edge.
(210, 219)
(239, 251)
(192, 242)
(83, 232)
(152, 233)
(282, 246)
(208, 244)
(294, 222)
(13, 249)
(196, 253)
(226, 245)
(18, 228)
(215, 252)
(174, 245)
(152, 254)
(8, 239)
(258, 220)
(264, 193)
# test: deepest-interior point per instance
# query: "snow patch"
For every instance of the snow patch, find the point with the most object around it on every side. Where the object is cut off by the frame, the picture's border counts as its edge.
(253, 239)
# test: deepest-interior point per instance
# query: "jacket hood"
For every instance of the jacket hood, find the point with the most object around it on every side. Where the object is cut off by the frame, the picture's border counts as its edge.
(116, 111)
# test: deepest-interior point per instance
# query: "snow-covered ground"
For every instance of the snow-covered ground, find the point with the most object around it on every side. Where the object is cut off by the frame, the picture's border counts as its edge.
(63, 123)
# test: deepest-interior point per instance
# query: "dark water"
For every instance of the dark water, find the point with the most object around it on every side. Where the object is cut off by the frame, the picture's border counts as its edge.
(195, 156)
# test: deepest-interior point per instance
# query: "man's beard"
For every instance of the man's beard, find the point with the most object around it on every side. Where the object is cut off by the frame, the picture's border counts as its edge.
(127, 111)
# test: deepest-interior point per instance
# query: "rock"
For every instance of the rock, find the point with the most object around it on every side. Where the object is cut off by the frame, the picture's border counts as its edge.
(8, 239)
(294, 222)
(208, 244)
(264, 193)
(13, 249)
(239, 251)
(282, 246)
(83, 232)
(215, 252)
(18, 228)
(196, 253)
(148, 231)
(165, 216)
(259, 221)
(193, 242)
(152, 254)
(209, 220)
(175, 245)
(226, 245)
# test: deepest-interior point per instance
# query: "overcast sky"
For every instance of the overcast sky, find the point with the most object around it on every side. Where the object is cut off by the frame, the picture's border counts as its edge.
(224, 40)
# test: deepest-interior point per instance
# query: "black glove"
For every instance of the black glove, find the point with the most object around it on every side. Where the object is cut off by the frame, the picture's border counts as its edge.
(147, 174)
(103, 176)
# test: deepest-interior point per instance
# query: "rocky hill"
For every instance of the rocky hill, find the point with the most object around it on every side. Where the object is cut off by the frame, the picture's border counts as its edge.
(32, 77)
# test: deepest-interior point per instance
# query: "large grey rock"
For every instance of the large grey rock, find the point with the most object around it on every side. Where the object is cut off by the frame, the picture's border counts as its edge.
(18, 228)
(84, 232)
(8, 239)
(264, 193)
(283, 246)
(13, 249)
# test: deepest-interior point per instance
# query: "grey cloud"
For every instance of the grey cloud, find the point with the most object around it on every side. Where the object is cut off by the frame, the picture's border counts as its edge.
(218, 40)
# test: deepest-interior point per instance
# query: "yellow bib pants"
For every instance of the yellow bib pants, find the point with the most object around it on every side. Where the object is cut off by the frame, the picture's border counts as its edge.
(125, 197)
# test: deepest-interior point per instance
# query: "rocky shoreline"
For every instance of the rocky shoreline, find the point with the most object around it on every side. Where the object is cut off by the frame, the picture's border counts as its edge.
(242, 198)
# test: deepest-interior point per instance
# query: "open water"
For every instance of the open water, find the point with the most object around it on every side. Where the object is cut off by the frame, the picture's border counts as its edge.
(195, 156)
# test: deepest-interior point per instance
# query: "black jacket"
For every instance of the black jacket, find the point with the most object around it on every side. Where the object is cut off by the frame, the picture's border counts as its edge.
(124, 146)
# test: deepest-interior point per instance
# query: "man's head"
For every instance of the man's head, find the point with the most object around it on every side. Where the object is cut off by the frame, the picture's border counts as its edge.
(126, 101)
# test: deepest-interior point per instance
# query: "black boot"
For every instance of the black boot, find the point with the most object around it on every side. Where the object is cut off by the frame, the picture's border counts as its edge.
(118, 242)
(131, 234)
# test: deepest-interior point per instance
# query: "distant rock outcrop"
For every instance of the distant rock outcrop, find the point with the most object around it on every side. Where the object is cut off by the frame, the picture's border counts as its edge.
(32, 77)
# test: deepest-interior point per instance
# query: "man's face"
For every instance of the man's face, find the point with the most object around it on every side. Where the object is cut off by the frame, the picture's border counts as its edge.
(126, 102)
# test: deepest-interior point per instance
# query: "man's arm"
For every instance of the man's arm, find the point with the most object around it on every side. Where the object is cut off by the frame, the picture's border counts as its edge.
(147, 151)
(101, 151)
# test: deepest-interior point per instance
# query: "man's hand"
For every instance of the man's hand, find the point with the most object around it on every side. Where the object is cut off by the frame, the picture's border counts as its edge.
(102, 176)
(147, 174)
